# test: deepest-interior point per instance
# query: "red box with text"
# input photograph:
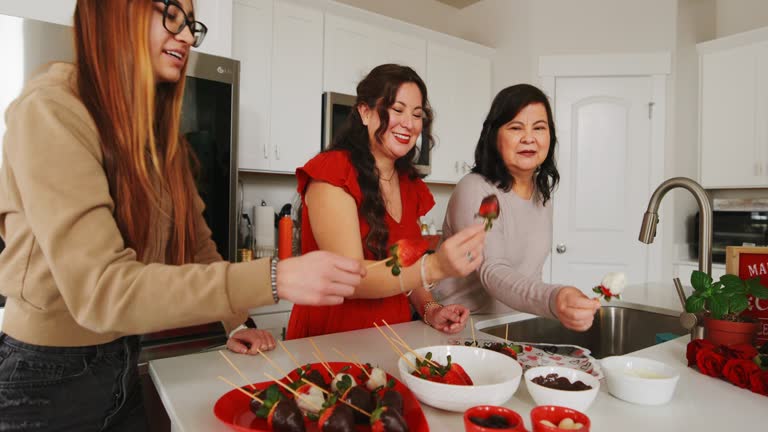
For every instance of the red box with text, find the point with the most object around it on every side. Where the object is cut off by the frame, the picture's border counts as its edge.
(747, 263)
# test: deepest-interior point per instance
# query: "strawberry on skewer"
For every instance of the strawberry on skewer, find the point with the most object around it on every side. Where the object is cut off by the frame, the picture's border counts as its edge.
(404, 253)
(489, 210)
(611, 286)
(285, 415)
(385, 419)
(337, 418)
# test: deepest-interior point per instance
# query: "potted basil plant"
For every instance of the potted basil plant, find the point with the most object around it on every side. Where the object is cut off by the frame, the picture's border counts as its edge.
(722, 303)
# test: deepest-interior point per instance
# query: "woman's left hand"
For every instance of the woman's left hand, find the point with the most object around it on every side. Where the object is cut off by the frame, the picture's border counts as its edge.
(251, 341)
(449, 319)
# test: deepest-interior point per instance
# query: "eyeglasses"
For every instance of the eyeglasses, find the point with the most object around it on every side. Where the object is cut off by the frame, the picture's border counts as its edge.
(175, 20)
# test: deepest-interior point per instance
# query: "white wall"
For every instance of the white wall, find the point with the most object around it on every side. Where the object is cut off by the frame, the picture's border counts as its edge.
(736, 16)
(56, 11)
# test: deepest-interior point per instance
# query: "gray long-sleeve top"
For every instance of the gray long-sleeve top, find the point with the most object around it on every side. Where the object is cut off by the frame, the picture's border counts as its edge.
(516, 248)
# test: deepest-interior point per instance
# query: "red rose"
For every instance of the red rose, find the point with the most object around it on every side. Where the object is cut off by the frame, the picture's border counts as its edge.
(710, 363)
(695, 346)
(739, 372)
(739, 351)
(759, 383)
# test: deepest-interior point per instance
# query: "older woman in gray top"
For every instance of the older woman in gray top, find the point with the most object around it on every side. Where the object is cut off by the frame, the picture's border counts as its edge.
(514, 160)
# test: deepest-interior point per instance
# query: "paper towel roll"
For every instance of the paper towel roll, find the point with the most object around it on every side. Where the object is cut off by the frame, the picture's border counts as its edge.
(265, 231)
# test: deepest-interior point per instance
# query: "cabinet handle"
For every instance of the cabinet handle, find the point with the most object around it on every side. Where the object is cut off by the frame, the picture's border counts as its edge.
(466, 167)
(277, 152)
(266, 151)
(456, 167)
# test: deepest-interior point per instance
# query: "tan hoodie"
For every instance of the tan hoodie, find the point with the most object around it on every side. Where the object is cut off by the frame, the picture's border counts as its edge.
(69, 279)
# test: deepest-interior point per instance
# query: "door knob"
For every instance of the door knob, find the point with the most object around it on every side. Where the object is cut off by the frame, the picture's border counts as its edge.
(560, 248)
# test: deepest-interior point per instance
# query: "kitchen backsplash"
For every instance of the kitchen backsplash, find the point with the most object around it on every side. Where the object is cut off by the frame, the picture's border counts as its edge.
(279, 189)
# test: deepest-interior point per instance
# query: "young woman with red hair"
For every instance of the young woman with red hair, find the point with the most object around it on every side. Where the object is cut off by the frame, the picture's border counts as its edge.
(104, 231)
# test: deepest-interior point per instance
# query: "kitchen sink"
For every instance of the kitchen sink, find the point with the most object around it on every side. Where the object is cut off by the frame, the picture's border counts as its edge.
(618, 329)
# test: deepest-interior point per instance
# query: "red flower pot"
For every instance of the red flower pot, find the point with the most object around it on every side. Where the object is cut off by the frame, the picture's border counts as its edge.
(721, 332)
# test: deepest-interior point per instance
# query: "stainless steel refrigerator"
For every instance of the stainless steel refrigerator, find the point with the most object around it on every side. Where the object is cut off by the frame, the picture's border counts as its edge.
(209, 122)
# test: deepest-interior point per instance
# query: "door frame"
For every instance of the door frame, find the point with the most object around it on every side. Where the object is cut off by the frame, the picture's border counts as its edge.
(657, 66)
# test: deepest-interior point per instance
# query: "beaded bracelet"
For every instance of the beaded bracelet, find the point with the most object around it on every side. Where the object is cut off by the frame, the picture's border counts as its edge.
(427, 307)
(273, 278)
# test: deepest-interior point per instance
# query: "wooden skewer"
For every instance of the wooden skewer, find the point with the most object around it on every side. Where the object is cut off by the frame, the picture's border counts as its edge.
(237, 370)
(361, 365)
(402, 343)
(347, 358)
(472, 327)
(292, 391)
(420, 358)
(274, 365)
(240, 389)
(321, 358)
(298, 366)
(376, 264)
(327, 367)
(340, 400)
(506, 332)
(394, 347)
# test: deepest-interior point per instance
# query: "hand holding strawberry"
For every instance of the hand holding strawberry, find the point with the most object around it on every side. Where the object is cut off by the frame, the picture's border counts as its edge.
(489, 210)
(611, 286)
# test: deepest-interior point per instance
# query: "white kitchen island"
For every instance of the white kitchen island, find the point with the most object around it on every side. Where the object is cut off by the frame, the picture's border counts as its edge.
(189, 388)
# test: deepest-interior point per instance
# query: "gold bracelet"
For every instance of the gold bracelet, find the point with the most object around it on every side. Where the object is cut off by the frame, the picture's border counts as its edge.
(427, 306)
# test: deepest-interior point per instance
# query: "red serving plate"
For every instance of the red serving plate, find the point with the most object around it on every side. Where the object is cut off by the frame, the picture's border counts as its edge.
(233, 408)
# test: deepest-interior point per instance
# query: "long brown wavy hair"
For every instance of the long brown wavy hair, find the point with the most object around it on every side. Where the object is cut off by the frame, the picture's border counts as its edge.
(138, 122)
(378, 91)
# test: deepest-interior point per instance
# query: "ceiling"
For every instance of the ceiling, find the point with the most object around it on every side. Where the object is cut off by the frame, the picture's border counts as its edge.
(459, 3)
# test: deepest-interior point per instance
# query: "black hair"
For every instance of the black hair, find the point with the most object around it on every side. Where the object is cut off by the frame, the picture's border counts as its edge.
(489, 162)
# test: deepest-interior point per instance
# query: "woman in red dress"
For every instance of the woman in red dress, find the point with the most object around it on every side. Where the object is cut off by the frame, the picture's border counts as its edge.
(362, 195)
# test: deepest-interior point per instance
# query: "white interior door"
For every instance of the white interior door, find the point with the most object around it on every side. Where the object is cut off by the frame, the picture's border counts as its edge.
(604, 158)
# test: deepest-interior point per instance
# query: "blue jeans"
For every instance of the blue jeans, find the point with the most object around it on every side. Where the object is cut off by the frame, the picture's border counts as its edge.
(93, 388)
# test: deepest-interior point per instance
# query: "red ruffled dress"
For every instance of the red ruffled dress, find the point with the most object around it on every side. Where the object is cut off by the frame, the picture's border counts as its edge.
(334, 167)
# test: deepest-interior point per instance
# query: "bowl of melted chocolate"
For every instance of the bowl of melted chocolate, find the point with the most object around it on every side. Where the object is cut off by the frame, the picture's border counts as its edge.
(562, 386)
(557, 382)
(489, 418)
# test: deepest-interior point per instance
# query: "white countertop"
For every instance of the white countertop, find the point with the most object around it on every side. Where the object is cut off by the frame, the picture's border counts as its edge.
(189, 388)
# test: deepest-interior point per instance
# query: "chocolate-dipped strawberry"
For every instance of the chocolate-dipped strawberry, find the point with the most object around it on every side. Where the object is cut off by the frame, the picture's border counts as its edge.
(361, 398)
(315, 377)
(393, 400)
(269, 396)
(385, 419)
(337, 418)
(285, 416)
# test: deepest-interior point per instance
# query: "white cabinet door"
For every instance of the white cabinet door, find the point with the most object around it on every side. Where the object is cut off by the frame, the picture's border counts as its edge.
(734, 108)
(353, 48)
(761, 119)
(728, 102)
(348, 46)
(217, 16)
(459, 86)
(297, 86)
(252, 45)
(401, 49)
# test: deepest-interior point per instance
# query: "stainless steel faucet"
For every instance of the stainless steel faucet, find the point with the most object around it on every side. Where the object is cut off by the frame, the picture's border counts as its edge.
(648, 232)
(651, 217)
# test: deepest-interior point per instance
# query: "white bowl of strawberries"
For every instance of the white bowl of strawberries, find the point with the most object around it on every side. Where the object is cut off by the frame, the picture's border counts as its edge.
(473, 376)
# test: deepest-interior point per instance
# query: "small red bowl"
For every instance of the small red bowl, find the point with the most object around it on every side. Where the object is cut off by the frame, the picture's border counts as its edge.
(556, 414)
(485, 411)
